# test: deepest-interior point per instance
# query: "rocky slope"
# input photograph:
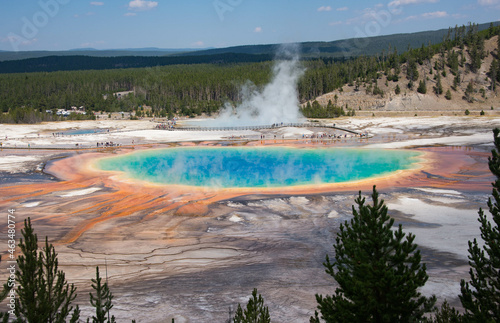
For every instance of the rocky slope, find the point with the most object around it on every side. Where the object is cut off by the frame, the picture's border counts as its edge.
(409, 102)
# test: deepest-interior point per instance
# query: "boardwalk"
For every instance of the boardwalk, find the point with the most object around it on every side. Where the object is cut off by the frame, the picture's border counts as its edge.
(274, 126)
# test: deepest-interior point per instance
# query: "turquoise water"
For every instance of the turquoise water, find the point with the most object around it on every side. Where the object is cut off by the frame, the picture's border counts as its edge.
(82, 131)
(226, 167)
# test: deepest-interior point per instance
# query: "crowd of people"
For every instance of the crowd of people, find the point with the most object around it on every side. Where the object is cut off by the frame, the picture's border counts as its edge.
(332, 136)
(323, 136)
(167, 125)
(107, 144)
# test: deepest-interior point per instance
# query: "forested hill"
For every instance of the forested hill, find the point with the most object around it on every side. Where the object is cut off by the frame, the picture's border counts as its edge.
(74, 63)
(338, 50)
(150, 51)
(352, 47)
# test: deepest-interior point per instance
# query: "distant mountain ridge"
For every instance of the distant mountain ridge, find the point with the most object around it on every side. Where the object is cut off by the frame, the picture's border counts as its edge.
(82, 59)
(148, 51)
(346, 48)
(75, 63)
(144, 49)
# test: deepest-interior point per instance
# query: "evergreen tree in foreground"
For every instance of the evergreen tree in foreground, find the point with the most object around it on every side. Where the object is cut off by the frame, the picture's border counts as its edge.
(481, 295)
(378, 271)
(101, 301)
(4, 316)
(44, 295)
(446, 314)
(255, 312)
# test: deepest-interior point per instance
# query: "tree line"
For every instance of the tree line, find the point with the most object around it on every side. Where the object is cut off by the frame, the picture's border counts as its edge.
(169, 90)
(81, 62)
(377, 267)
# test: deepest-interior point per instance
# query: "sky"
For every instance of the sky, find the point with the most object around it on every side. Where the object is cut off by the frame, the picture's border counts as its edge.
(115, 24)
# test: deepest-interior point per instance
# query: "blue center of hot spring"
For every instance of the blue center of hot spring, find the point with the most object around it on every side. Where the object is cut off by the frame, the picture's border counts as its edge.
(226, 167)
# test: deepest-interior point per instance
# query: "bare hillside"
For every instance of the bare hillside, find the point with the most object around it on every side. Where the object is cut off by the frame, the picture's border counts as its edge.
(410, 102)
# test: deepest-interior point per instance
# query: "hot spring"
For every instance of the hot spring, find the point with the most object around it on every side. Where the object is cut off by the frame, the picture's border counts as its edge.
(243, 167)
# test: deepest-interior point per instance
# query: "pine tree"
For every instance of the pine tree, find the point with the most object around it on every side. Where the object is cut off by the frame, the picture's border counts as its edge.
(476, 51)
(469, 91)
(493, 74)
(44, 295)
(446, 314)
(102, 301)
(452, 62)
(411, 69)
(330, 109)
(438, 89)
(422, 87)
(4, 316)
(378, 270)
(456, 82)
(255, 312)
(448, 95)
(481, 295)
(498, 41)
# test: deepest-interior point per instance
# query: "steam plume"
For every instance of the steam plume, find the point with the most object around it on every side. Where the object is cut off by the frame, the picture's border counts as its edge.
(277, 102)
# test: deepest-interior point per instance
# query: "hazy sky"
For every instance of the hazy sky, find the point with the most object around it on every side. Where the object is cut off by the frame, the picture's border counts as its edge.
(105, 24)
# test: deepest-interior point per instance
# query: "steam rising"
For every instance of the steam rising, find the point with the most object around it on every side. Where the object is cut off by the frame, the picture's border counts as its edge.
(277, 102)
